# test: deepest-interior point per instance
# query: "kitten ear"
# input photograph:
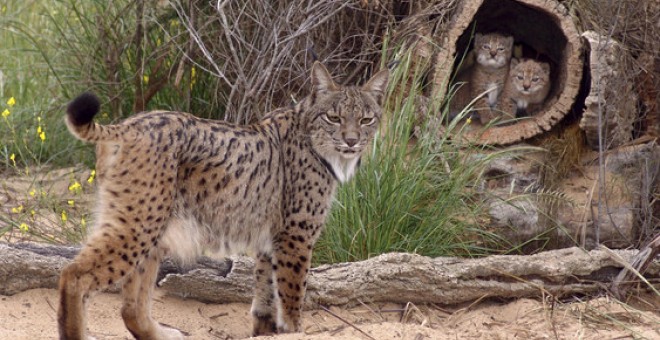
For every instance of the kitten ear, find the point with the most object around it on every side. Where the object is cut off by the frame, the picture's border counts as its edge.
(321, 78)
(545, 67)
(509, 41)
(477, 37)
(377, 85)
(514, 62)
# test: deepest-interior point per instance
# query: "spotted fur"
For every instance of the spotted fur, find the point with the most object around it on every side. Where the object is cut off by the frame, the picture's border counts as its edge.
(173, 184)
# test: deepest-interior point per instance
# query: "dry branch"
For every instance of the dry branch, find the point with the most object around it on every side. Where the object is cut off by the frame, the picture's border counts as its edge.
(392, 277)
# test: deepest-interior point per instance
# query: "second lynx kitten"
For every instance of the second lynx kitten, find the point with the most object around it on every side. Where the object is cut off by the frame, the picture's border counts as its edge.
(526, 88)
(493, 53)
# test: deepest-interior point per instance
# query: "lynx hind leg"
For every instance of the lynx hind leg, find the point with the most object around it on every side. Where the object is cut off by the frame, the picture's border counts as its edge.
(264, 309)
(97, 266)
(134, 209)
(137, 292)
(293, 255)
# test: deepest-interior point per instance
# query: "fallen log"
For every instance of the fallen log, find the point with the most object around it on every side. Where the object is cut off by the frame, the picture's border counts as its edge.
(395, 277)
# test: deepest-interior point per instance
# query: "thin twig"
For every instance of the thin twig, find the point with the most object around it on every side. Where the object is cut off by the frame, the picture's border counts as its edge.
(346, 322)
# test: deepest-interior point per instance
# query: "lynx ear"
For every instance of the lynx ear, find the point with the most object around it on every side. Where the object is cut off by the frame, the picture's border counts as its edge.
(477, 38)
(509, 41)
(377, 85)
(545, 67)
(514, 62)
(321, 78)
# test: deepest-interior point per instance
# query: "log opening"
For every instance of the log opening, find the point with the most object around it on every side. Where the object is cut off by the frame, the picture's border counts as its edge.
(545, 31)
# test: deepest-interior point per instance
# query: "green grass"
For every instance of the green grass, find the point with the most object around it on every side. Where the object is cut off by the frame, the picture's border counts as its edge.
(413, 197)
(408, 197)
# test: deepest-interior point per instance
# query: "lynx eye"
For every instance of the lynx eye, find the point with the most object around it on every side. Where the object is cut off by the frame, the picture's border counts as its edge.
(500, 48)
(367, 121)
(485, 47)
(535, 79)
(332, 119)
(520, 77)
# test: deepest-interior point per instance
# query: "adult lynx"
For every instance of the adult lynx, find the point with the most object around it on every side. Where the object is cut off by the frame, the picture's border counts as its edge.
(173, 184)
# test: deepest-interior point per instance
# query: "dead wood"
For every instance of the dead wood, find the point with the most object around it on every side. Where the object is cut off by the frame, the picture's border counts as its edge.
(638, 266)
(545, 29)
(395, 277)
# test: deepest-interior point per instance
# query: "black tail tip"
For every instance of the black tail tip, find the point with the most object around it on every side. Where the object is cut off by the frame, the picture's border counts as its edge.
(83, 108)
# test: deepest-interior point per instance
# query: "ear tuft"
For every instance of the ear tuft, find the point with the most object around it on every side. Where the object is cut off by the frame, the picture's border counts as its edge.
(377, 85)
(321, 78)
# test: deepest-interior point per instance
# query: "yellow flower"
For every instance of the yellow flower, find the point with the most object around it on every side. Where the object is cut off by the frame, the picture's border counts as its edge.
(6, 113)
(42, 135)
(17, 210)
(39, 130)
(75, 186)
(32, 192)
(92, 174)
(39, 119)
(64, 218)
(71, 203)
(83, 222)
(13, 158)
(158, 42)
(469, 120)
(24, 227)
(11, 102)
(32, 213)
(145, 79)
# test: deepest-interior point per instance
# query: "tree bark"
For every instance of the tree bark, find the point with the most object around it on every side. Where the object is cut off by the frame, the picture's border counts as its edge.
(395, 277)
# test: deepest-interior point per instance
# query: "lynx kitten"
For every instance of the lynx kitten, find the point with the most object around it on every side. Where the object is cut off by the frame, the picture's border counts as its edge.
(493, 53)
(173, 184)
(527, 87)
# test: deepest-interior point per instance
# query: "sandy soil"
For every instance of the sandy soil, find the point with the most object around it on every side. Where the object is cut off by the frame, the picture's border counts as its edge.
(32, 315)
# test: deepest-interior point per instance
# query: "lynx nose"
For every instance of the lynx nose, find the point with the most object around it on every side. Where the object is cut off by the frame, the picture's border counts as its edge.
(351, 141)
(493, 53)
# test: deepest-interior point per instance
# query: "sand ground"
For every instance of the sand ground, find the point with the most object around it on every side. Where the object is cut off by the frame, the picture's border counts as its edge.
(32, 315)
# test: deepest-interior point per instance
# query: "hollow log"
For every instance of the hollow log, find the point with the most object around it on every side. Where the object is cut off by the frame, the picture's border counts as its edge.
(395, 277)
(545, 30)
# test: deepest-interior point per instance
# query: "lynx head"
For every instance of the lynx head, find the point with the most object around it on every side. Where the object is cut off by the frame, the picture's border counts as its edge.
(529, 76)
(343, 120)
(493, 50)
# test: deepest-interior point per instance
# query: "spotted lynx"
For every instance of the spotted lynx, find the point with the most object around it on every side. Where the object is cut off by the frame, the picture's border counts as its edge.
(527, 87)
(493, 53)
(173, 184)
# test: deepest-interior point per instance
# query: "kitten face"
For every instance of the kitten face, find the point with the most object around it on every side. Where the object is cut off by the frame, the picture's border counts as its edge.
(529, 76)
(493, 50)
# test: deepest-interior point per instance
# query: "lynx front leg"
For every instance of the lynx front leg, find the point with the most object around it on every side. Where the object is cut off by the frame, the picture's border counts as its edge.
(263, 303)
(293, 255)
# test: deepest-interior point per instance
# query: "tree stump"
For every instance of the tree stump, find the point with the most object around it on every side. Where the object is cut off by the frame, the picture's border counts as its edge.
(610, 108)
(545, 29)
